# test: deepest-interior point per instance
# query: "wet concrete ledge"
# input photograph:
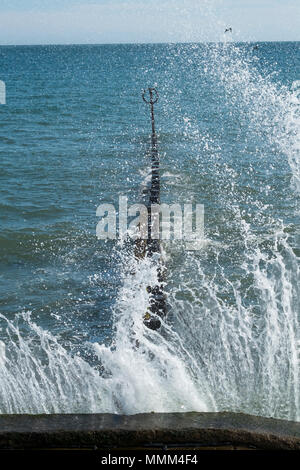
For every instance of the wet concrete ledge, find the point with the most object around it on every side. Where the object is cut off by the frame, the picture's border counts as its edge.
(147, 431)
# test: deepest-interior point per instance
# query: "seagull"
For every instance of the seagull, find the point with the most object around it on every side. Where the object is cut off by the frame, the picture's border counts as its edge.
(228, 30)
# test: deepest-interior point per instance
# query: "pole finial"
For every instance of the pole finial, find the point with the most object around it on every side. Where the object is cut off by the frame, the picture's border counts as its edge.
(153, 93)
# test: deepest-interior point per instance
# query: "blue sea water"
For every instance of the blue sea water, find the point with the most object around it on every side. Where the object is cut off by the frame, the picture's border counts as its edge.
(75, 133)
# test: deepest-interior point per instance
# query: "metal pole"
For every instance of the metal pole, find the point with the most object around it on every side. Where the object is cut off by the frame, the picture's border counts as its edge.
(157, 306)
(155, 183)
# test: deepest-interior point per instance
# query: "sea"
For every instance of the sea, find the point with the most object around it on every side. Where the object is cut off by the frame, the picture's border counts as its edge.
(74, 134)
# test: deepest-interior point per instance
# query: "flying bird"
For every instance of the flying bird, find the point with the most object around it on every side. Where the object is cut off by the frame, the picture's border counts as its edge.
(228, 30)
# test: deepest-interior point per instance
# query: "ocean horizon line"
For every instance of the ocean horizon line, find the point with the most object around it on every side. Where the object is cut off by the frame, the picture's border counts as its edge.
(148, 43)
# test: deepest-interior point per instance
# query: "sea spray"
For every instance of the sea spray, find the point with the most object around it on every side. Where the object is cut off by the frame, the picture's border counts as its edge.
(229, 134)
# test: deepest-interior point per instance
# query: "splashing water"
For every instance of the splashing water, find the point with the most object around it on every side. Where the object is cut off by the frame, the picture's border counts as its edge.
(231, 339)
(292, 124)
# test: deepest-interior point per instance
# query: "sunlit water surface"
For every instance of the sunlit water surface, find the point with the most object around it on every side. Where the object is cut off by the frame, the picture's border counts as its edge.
(74, 134)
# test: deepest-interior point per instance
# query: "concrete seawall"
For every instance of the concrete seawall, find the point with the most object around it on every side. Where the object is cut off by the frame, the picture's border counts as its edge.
(148, 431)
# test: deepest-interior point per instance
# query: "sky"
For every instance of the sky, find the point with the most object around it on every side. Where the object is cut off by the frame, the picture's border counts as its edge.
(142, 21)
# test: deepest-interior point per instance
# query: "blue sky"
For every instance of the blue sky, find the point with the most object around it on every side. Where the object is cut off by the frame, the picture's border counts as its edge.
(113, 21)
